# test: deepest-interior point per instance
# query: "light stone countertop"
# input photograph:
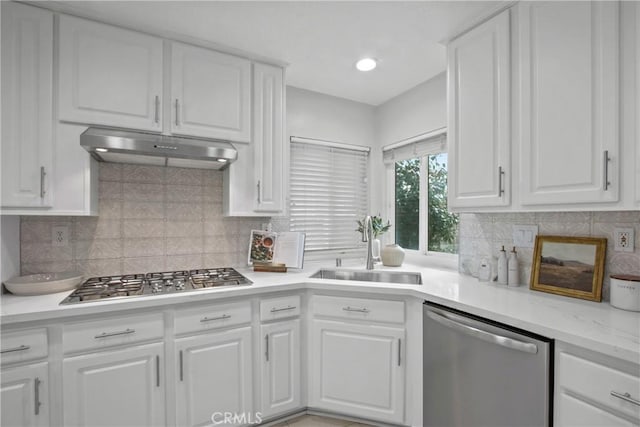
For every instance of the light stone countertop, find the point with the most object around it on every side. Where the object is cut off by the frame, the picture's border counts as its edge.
(596, 326)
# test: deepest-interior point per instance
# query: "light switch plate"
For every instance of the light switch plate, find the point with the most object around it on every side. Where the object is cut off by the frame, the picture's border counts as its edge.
(623, 239)
(524, 236)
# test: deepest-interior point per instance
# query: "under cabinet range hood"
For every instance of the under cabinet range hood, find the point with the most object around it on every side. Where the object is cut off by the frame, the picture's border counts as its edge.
(119, 146)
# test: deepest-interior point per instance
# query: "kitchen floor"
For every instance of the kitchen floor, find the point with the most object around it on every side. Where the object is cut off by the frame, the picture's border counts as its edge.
(318, 421)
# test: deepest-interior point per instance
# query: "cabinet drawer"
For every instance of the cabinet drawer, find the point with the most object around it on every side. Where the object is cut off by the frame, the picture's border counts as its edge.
(23, 345)
(212, 317)
(280, 308)
(597, 382)
(358, 308)
(104, 333)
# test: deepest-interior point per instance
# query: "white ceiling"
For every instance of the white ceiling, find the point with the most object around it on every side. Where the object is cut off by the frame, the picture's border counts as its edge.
(320, 40)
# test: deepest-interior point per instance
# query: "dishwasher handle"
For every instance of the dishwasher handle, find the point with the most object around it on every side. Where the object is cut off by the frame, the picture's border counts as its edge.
(483, 335)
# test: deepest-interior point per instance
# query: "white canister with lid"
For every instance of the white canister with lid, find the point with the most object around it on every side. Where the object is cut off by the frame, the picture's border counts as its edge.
(625, 292)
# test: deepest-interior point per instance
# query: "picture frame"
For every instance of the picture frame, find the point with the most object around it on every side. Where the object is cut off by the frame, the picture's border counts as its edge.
(569, 266)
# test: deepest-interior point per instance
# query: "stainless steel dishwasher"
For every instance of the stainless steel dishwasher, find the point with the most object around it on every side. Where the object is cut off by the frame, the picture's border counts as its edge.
(481, 373)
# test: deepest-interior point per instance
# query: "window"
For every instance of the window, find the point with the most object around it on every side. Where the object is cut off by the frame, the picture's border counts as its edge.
(328, 190)
(417, 195)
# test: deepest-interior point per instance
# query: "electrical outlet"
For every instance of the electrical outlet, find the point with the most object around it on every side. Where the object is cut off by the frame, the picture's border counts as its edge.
(623, 239)
(60, 235)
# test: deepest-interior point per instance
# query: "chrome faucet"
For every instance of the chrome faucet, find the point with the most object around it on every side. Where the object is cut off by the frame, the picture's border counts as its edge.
(367, 236)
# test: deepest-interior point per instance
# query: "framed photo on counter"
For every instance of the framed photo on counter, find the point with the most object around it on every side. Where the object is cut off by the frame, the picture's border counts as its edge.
(570, 266)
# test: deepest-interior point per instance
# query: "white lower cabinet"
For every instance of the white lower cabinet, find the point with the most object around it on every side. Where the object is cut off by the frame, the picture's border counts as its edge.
(357, 369)
(123, 387)
(594, 390)
(214, 378)
(280, 355)
(24, 395)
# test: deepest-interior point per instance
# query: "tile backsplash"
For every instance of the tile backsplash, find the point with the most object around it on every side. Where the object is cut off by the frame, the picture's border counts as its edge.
(151, 219)
(484, 234)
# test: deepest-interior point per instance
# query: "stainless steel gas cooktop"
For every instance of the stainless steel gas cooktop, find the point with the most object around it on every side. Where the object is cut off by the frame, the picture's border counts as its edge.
(169, 282)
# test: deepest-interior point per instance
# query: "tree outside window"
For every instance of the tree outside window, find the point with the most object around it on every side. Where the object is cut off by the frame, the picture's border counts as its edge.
(442, 226)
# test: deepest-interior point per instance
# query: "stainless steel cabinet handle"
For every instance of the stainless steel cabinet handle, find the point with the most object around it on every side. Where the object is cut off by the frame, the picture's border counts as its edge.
(157, 112)
(358, 310)
(43, 173)
(12, 350)
(177, 113)
(266, 346)
(399, 351)
(181, 367)
(157, 371)
(259, 195)
(483, 335)
(606, 159)
(500, 183)
(290, 307)
(210, 319)
(36, 396)
(115, 334)
(626, 397)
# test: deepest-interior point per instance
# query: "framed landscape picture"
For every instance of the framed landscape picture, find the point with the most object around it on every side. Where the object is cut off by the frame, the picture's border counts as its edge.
(571, 266)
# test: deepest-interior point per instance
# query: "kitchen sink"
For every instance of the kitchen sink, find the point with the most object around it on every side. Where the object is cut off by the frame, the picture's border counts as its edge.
(407, 278)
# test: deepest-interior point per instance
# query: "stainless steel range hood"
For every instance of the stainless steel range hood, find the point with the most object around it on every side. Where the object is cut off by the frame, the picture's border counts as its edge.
(118, 146)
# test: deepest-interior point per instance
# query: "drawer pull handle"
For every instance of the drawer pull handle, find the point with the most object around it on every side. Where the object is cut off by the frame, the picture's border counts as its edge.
(626, 397)
(290, 307)
(11, 350)
(36, 396)
(359, 310)
(115, 334)
(209, 319)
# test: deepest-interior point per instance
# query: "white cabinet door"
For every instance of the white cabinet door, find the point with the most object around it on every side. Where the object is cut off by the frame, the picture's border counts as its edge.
(637, 104)
(27, 123)
(268, 108)
(214, 378)
(254, 184)
(109, 75)
(210, 94)
(573, 412)
(115, 388)
(568, 107)
(479, 80)
(280, 353)
(24, 395)
(358, 369)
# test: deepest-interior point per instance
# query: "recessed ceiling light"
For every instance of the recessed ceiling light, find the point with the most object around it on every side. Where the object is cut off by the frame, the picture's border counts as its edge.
(101, 150)
(222, 160)
(366, 64)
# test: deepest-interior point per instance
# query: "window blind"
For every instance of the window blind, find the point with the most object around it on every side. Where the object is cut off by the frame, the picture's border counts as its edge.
(421, 145)
(328, 193)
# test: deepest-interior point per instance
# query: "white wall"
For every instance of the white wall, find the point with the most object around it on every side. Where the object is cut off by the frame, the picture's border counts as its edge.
(10, 252)
(320, 116)
(416, 111)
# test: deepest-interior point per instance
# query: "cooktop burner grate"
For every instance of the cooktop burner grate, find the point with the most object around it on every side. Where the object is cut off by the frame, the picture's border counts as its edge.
(158, 283)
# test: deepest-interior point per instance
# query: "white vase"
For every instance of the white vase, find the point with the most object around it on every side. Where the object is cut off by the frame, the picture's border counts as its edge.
(392, 256)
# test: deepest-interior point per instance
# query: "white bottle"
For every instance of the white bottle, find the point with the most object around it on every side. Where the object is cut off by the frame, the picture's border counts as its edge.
(513, 272)
(502, 267)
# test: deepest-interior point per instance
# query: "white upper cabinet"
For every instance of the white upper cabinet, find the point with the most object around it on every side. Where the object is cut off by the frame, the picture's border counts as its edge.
(27, 106)
(568, 105)
(210, 94)
(268, 106)
(109, 75)
(479, 82)
(255, 183)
